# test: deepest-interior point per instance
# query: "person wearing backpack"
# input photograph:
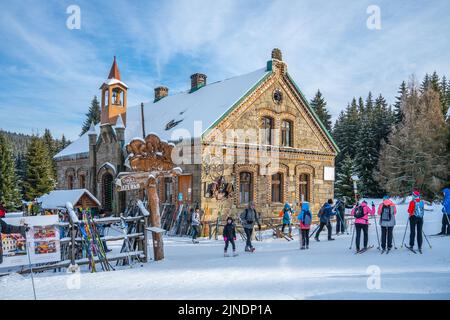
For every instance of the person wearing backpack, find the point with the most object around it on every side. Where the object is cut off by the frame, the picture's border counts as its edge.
(445, 230)
(287, 212)
(361, 213)
(416, 210)
(387, 212)
(325, 214)
(195, 223)
(248, 219)
(305, 219)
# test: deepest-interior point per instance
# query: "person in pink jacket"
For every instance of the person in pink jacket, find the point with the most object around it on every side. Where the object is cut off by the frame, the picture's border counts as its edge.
(361, 213)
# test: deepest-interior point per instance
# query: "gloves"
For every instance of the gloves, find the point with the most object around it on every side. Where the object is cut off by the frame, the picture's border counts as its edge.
(225, 239)
(373, 204)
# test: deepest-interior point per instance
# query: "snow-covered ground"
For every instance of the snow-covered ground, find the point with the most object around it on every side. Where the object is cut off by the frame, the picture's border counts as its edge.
(277, 270)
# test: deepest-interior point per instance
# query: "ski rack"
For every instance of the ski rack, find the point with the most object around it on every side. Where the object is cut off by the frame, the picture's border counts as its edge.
(71, 246)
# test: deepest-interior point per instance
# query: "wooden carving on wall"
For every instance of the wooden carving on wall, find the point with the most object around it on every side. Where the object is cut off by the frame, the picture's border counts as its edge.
(151, 154)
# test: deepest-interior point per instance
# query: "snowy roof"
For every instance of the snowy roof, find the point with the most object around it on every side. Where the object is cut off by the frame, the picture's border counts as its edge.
(180, 111)
(59, 198)
(78, 147)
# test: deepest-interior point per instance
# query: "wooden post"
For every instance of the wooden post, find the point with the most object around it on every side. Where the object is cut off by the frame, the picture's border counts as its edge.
(155, 218)
(145, 249)
(72, 243)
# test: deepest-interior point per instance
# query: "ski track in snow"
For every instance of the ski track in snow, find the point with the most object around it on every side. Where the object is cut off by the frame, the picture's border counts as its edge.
(277, 270)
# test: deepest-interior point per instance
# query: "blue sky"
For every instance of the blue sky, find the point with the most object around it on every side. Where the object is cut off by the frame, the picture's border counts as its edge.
(49, 74)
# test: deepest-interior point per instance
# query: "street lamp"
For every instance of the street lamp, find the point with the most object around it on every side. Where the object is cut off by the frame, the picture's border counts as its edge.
(355, 179)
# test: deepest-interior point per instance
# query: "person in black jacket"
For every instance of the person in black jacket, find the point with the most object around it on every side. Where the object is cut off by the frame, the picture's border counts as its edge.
(229, 235)
(8, 229)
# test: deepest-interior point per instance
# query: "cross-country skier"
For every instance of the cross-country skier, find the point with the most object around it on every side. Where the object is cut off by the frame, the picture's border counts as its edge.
(325, 214)
(387, 212)
(8, 229)
(416, 210)
(195, 223)
(287, 213)
(361, 213)
(248, 219)
(229, 236)
(339, 210)
(305, 219)
(445, 230)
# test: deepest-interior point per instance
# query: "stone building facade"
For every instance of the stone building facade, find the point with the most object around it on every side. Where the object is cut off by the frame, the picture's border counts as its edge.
(260, 142)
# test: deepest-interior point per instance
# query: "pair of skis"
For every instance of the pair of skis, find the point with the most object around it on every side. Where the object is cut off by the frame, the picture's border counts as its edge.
(364, 250)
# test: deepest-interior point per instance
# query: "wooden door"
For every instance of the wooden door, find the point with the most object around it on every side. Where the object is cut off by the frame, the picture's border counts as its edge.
(185, 188)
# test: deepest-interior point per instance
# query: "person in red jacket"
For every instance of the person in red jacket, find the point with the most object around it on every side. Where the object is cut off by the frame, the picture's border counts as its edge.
(416, 211)
(2, 210)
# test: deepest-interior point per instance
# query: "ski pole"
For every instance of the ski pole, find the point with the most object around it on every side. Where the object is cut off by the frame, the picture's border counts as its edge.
(314, 231)
(353, 235)
(376, 229)
(404, 235)
(426, 238)
(393, 239)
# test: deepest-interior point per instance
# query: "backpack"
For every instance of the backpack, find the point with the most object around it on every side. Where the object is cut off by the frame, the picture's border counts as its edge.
(418, 209)
(246, 217)
(286, 215)
(359, 212)
(307, 218)
(386, 214)
(321, 211)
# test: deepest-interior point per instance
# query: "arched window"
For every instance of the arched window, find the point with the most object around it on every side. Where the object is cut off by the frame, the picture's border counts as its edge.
(277, 187)
(82, 179)
(286, 133)
(267, 127)
(304, 185)
(70, 182)
(245, 187)
(108, 194)
(168, 190)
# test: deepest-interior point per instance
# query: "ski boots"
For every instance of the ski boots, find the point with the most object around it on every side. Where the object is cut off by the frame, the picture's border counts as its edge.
(317, 239)
(302, 248)
(226, 254)
(307, 247)
(331, 239)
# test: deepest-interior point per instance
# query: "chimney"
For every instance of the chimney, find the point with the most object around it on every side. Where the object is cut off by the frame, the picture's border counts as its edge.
(161, 92)
(198, 80)
(276, 54)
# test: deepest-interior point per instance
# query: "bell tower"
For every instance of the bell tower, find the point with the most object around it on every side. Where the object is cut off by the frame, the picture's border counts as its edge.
(114, 97)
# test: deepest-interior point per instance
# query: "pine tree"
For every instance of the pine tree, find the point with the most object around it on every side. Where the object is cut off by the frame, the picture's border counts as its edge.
(39, 172)
(416, 155)
(444, 89)
(92, 116)
(403, 91)
(9, 191)
(366, 157)
(344, 182)
(50, 144)
(369, 103)
(425, 83)
(319, 106)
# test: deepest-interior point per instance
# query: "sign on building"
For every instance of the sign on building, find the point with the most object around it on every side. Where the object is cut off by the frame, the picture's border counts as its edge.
(328, 173)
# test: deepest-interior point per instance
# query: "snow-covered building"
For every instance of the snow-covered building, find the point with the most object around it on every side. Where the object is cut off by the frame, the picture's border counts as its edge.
(252, 137)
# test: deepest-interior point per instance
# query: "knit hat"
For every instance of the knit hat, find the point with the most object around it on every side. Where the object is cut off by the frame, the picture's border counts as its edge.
(386, 197)
(416, 194)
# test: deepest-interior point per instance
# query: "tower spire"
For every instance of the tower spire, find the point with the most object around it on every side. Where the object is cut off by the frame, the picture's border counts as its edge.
(114, 72)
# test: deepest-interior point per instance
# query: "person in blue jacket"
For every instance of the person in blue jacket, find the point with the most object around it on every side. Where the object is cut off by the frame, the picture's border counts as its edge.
(445, 230)
(287, 213)
(325, 214)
